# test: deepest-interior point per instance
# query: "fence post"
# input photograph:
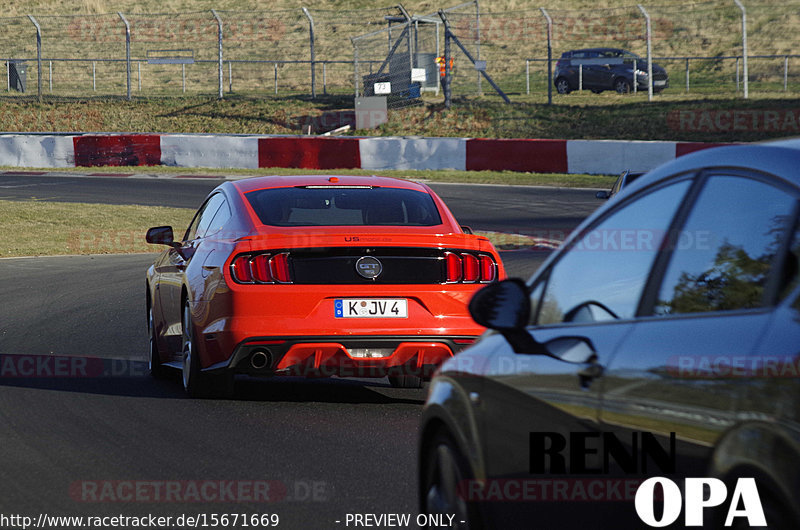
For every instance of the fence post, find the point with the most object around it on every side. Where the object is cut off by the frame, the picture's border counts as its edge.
(580, 77)
(139, 75)
(549, 56)
(478, 42)
(528, 76)
(127, 51)
(94, 76)
(744, 47)
(38, 55)
(276, 77)
(687, 75)
(355, 64)
(313, 55)
(51, 76)
(447, 74)
(737, 75)
(219, 46)
(324, 79)
(230, 78)
(785, 73)
(649, 53)
(635, 79)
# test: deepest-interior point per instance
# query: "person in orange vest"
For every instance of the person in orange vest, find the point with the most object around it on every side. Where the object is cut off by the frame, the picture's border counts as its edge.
(442, 70)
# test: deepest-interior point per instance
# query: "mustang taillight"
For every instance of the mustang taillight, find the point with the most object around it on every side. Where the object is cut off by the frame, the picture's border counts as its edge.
(279, 268)
(453, 267)
(470, 268)
(241, 270)
(261, 268)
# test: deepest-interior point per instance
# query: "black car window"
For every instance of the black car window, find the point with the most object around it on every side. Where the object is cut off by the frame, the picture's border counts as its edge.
(603, 274)
(344, 206)
(727, 248)
(204, 216)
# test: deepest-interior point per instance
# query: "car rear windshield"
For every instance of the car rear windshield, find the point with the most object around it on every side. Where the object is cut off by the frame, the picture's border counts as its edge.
(344, 206)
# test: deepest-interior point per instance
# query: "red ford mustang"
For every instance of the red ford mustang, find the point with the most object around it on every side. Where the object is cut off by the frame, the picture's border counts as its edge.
(315, 276)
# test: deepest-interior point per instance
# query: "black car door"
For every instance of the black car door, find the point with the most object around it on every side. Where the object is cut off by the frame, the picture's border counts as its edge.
(584, 306)
(685, 366)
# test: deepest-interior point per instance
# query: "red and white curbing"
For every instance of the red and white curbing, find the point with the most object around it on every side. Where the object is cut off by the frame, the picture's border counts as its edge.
(372, 153)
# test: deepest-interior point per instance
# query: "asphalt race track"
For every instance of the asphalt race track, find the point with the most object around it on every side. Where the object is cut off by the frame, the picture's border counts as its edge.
(109, 440)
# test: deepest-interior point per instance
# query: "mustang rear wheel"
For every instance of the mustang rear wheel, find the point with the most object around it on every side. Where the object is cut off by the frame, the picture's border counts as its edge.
(157, 369)
(444, 485)
(195, 382)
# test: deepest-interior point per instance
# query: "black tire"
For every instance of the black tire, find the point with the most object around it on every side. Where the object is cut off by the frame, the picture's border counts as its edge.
(157, 368)
(405, 381)
(562, 86)
(622, 85)
(195, 382)
(444, 485)
(597, 90)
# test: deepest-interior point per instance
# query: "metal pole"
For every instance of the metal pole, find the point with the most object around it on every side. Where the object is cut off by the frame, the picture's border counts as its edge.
(580, 77)
(127, 51)
(687, 75)
(8, 76)
(478, 42)
(38, 55)
(219, 54)
(438, 54)
(51, 76)
(785, 73)
(230, 78)
(183, 77)
(549, 56)
(649, 52)
(276, 78)
(528, 76)
(355, 65)
(744, 47)
(325, 79)
(139, 75)
(94, 76)
(447, 90)
(737, 75)
(313, 56)
(408, 37)
(635, 79)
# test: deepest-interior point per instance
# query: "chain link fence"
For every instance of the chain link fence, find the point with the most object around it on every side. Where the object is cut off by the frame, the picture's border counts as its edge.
(345, 52)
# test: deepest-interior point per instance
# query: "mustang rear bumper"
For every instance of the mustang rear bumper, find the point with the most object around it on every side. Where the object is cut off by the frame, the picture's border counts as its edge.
(328, 356)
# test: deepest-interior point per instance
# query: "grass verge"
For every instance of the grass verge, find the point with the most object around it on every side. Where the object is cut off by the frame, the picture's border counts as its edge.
(39, 228)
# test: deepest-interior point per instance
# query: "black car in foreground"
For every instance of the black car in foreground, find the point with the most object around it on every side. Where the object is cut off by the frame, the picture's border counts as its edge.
(599, 69)
(661, 340)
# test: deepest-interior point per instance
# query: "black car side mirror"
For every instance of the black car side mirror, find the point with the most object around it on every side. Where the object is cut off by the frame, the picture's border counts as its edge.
(505, 307)
(602, 195)
(160, 235)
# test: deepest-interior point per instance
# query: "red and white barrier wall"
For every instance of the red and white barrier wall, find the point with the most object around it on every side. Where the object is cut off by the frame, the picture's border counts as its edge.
(372, 153)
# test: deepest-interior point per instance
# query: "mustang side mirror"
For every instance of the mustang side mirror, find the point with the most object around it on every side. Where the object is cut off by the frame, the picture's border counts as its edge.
(505, 307)
(602, 195)
(160, 235)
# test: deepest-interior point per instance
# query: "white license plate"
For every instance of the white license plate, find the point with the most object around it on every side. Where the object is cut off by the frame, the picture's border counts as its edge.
(659, 83)
(370, 308)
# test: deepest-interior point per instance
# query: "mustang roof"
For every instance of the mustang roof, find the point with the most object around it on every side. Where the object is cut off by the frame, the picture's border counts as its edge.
(290, 181)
